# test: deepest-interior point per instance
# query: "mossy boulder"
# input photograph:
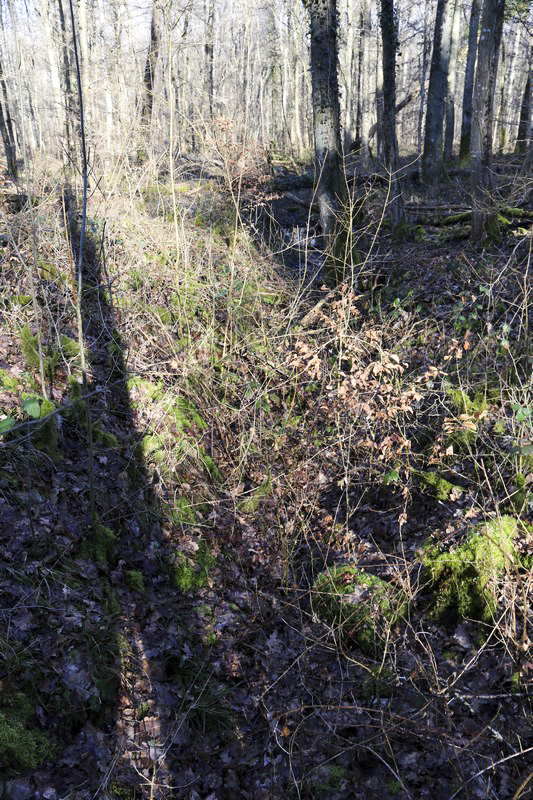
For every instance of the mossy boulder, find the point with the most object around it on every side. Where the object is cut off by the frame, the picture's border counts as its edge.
(464, 578)
(363, 606)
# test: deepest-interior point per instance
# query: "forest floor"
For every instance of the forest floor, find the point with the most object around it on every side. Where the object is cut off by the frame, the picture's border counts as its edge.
(288, 552)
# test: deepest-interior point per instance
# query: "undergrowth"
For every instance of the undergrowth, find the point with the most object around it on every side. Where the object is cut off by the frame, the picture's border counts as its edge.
(278, 441)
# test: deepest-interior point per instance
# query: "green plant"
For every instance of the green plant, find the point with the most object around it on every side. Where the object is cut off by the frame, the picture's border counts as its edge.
(438, 486)
(22, 747)
(191, 574)
(100, 544)
(464, 578)
(380, 682)
(135, 580)
(363, 606)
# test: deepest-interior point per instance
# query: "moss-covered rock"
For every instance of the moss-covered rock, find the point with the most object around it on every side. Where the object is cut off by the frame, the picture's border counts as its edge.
(363, 606)
(464, 578)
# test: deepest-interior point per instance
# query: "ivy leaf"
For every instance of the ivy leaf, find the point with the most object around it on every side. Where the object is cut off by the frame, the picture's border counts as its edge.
(32, 407)
(6, 424)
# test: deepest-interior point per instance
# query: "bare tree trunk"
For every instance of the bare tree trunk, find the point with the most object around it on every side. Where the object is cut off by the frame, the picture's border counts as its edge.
(6, 126)
(466, 124)
(209, 55)
(523, 139)
(483, 221)
(452, 83)
(351, 77)
(502, 133)
(152, 58)
(390, 44)
(83, 33)
(364, 87)
(380, 144)
(326, 113)
(57, 100)
(423, 74)
(438, 84)
(70, 110)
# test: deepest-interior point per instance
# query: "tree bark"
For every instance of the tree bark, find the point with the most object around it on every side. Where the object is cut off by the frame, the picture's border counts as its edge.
(156, 26)
(71, 123)
(523, 139)
(6, 126)
(466, 123)
(452, 82)
(423, 72)
(502, 133)
(209, 55)
(330, 186)
(438, 84)
(483, 217)
(380, 144)
(390, 45)
(85, 66)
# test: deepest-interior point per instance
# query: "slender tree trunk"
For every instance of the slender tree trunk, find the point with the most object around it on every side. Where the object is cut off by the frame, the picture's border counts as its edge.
(357, 142)
(438, 84)
(57, 99)
(390, 43)
(466, 124)
(326, 113)
(365, 80)
(380, 144)
(209, 55)
(502, 134)
(452, 83)
(483, 220)
(71, 123)
(423, 74)
(523, 139)
(351, 76)
(83, 33)
(6, 126)
(156, 26)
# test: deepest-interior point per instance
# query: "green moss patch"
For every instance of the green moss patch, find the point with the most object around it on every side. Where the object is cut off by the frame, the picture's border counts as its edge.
(185, 414)
(100, 544)
(135, 580)
(464, 403)
(464, 578)
(438, 486)
(21, 746)
(191, 574)
(362, 605)
(7, 381)
(251, 503)
(104, 437)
